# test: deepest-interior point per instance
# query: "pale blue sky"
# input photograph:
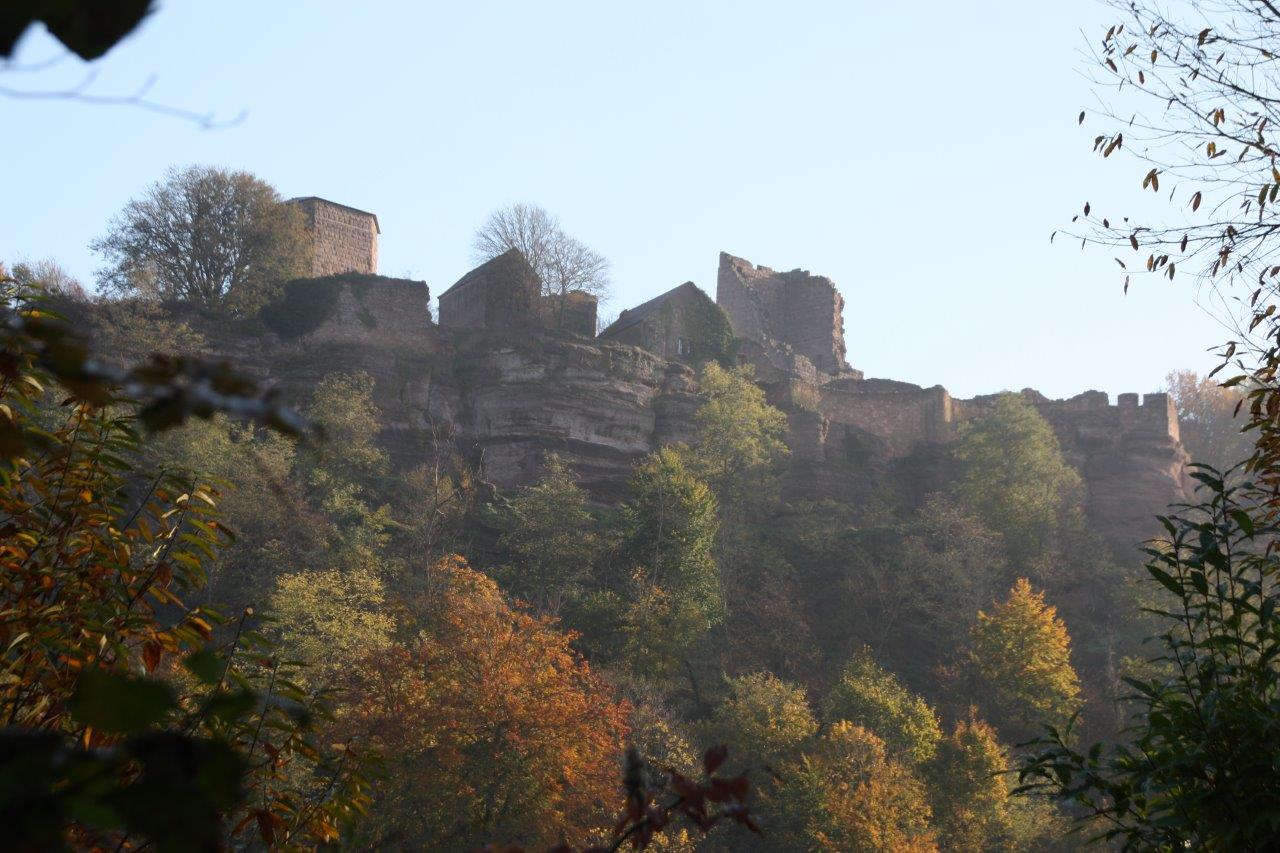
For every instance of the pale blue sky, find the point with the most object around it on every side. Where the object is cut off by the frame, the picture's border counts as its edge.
(919, 154)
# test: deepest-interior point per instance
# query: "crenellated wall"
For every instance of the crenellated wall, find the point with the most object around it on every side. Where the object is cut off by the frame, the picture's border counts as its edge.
(1128, 453)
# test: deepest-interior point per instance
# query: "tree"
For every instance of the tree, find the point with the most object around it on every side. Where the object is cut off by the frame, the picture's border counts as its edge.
(208, 236)
(847, 794)
(741, 438)
(1197, 97)
(130, 722)
(1207, 417)
(49, 276)
(969, 789)
(565, 264)
(856, 566)
(491, 725)
(670, 528)
(763, 719)
(1018, 664)
(1196, 92)
(549, 538)
(132, 330)
(1197, 769)
(331, 619)
(1013, 478)
(261, 502)
(874, 699)
(342, 471)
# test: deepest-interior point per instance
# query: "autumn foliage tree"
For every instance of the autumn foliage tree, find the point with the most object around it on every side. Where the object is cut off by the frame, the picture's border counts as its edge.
(131, 721)
(1211, 419)
(873, 698)
(1018, 665)
(847, 793)
(492, 726)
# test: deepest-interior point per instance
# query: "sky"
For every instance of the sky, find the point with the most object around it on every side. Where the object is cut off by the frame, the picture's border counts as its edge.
(919, 154)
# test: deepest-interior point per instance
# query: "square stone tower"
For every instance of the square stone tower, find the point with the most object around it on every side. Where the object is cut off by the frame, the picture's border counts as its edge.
(344, 239)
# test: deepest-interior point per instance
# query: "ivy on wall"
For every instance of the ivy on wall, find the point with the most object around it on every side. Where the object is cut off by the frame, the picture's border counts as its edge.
(307, 303)
(710, 330)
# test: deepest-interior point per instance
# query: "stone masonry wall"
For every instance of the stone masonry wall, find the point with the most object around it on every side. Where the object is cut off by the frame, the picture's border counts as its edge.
(801, 311)
(1129, 454)
(380, 312)
(503, 292)
(344, 239)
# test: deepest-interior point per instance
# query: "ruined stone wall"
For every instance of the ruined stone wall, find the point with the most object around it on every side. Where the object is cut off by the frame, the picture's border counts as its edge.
(904, 418)
(749, 305)
(1128, 454)
(379, 311)
(343, 239)
(815, 320)
(579, 313)
(792, 310)
(501, 293)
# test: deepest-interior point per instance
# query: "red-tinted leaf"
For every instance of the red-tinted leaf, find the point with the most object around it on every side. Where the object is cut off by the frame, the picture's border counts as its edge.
(152, 652)
(716, 755)
(266, 826)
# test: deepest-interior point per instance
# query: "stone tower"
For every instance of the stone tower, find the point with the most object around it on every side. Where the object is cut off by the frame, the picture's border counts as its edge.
(344, 239)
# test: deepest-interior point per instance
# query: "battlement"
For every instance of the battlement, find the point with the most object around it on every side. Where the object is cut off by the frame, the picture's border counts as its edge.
(1091, 416)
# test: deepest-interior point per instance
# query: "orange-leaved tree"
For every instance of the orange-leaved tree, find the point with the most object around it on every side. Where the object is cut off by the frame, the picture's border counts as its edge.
(491, 725)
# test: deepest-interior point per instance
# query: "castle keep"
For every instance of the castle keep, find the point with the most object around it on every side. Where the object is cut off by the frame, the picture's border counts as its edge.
(343, 239)
(510, 374)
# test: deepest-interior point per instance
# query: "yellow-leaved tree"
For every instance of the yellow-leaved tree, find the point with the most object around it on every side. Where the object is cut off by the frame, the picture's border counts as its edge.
(1018, 664)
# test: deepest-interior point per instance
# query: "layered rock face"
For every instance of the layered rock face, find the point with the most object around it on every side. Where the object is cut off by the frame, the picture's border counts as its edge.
(601, 407)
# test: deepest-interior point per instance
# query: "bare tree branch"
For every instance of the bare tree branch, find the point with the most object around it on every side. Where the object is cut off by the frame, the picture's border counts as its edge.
(80, 94)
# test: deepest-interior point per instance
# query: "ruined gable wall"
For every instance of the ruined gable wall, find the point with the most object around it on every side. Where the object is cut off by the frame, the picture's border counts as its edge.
(792, 311)
(813, 319)
(464, 307)
(343, 240)
(503, 292)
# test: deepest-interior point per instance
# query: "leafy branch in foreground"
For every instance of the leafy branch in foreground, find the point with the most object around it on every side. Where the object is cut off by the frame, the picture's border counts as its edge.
(651, 810)
(37, 345)
(1199, 767)
(126, 723)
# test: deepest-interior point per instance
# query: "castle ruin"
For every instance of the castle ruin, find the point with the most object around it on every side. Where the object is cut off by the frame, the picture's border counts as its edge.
(604, 401)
